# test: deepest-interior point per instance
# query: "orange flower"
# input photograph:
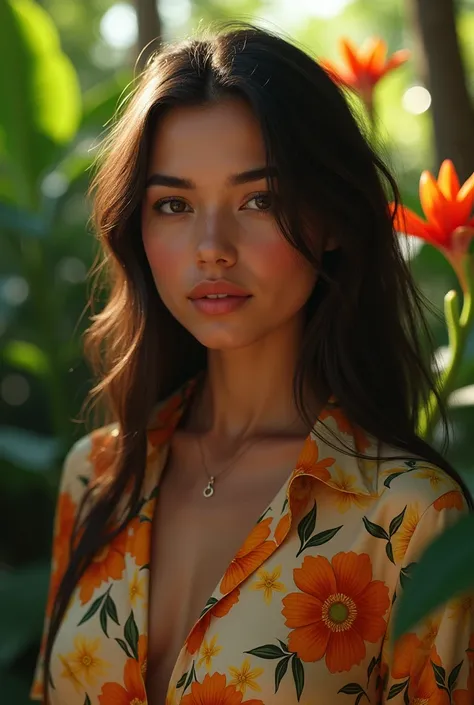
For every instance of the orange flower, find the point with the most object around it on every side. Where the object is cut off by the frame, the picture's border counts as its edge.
(344, 425)
(412, 659)
(215, 691)
(447, 207)
(255, 550)
(450, 500)
(309, 463)
(132, 694)
(103, 451)
(66, 514)
(365, 66)
(223, 607)
(108, 563)
(138, 540)
(142, 654)
(339, 609)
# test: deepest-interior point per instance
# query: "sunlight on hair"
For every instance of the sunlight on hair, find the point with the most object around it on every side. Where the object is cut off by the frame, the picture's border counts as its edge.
(416, 100)
(118, 26)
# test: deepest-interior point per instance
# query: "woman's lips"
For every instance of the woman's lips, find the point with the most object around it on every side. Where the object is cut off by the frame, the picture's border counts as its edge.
(219, 306)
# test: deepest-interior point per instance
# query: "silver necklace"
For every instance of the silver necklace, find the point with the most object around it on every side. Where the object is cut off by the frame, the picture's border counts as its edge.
(209, 488)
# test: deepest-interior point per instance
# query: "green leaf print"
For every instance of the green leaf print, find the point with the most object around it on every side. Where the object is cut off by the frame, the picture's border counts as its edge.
(283, 646)
(285, 503)
(103, 620)
(267, 651)
(392, 477)
(192, 676)
(396, 523)
(87, 701)
(389, 552)
(453, 676)
(371, 667)
(181, 681)
(124, 646)
(352, 689)
(405, 574)
(93, 608)
(111, 609)
(396, 689)
(319, 539)
(306, 525)
(131, 634)
(280, 671)
(440, 676)
(298, 676)
(210, 603)
(375, 530)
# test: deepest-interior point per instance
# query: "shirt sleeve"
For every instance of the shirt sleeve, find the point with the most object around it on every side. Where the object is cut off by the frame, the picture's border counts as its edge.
(74, 479)
(434, 663)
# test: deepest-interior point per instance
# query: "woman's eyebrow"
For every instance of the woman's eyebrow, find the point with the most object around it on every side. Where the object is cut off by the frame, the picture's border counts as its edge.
(234, 180)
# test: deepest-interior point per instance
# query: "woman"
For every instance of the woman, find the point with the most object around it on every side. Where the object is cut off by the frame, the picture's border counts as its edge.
(240, 530)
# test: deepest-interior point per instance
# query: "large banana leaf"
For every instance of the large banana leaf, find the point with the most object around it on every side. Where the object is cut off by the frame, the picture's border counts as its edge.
(40, 105)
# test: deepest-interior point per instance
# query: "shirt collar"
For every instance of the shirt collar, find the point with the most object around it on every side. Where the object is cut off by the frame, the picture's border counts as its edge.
(322, 456)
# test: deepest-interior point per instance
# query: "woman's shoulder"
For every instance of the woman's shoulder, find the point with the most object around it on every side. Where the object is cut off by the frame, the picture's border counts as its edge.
(87, 460)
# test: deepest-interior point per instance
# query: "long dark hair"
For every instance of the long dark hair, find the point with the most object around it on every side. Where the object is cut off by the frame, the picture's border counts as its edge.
(365, 335)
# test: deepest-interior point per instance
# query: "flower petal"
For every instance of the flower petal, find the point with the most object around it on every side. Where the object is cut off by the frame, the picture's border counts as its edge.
(349, 54)
(301, 610)
(310, 643)
(466, 192)
(374, 51)
(353, 573)
(371, 607)
(397, 59)
(316, 577)
(344, 650)
(448, 180)
(404, 655)
(408, 222)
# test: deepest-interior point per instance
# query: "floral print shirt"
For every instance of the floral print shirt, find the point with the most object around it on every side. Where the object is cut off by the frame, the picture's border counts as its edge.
(303, 614)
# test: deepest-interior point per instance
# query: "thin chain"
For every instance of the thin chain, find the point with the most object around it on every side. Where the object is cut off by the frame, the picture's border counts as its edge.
(209, 489)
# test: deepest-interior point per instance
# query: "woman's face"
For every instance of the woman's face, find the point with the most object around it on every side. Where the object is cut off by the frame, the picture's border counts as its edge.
(206, 225)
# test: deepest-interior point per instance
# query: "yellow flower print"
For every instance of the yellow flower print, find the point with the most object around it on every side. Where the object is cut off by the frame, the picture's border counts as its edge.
(69, 675)
(402, 537)
(268, 583)
(136, 589)
(208, 651)
(244, 678)
(433, 475)
(84, 662)
(170, 696)
(343, 491)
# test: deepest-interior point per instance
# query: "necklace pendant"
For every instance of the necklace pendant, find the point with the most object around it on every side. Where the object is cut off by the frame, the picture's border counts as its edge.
(209, 489)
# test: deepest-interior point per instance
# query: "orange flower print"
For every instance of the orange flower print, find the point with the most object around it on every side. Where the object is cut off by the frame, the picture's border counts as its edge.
(361, 441)
(309, 462)
(66, 513)
(223, 607)
(108, 564)
(142, 653)
(338, 609)
(132, 694)
(138, 541)
(255, 550)
(166, 418)
(215, 691)
(282, 528)
(103, 451)
(402, 537)
(412, 659)
(450, 500)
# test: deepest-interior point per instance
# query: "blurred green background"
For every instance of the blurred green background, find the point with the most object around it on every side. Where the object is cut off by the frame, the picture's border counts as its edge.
(64, 66)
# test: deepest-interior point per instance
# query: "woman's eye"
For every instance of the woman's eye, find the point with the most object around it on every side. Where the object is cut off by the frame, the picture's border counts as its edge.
(176, 207)
(263, 201)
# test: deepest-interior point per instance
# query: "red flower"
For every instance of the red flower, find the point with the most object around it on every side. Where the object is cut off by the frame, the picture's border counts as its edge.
(449, 224)
(365, 66)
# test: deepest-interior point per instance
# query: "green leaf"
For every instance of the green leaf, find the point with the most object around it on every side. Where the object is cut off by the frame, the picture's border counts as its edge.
(111, 609)
(371, 667)
(144, 567)
(209, 604)
(306, 525)
(456, 554)
(298, 675)
(181, 681)
(191, 676)
(87, 701)
(131, 634)
(285, 504)
(359, 698)
(268, 651)
(396, 689)
(375, 530)
(27, 357)
(124, 646)
(406, 573)
(283, 646)
(103, 619)
(392, 477)
(280, 671)
(453, 676)
(92, 609)
(40, 106)
(440, 675)
(102, 100)
(351, 689)
(389, 551)
(396, 523)
(320, 538)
